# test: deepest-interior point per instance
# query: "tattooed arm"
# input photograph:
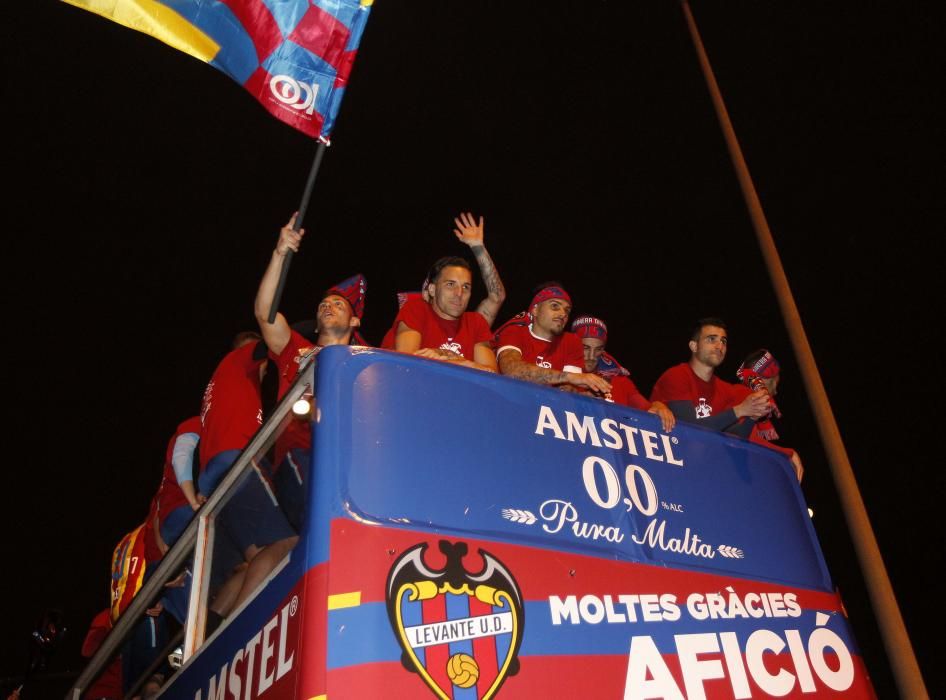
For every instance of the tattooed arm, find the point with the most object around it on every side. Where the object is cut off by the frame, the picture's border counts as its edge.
(469, 231)
(511, 364)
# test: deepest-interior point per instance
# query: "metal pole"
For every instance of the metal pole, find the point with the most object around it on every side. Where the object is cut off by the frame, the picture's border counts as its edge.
(303, 205)
(896, 641)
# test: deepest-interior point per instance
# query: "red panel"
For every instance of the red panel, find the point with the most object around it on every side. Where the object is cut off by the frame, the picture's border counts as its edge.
(322, 34)
(344, 68)
(312, 641)
(435, 610)
(259, 24)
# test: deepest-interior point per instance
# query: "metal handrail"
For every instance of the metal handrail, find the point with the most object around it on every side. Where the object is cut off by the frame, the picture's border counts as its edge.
(177, 555)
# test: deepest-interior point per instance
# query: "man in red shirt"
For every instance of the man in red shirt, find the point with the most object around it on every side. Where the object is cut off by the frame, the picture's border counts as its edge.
(231, 413)
(338, 316)
(761, 369)
(468, 231)
(593, 334)
(535, 346)
(441, 328)
(108, 686)
(696, 395)
(177, 498)
(231, 410)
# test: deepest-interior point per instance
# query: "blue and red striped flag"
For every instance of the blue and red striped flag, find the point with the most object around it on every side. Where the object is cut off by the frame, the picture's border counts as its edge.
(294, 56)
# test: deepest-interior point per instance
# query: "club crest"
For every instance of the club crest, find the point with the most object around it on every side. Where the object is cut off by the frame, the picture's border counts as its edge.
(458, 630)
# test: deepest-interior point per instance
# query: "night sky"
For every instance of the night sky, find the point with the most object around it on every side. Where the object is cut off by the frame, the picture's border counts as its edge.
(148, 189)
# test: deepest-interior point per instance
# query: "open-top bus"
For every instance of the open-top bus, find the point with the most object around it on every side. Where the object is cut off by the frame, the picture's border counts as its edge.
(473, 536)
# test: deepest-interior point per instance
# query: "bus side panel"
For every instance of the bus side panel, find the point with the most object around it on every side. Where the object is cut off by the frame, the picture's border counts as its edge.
(587, 627)
(258, 652)
(409, 442)
(490, 536)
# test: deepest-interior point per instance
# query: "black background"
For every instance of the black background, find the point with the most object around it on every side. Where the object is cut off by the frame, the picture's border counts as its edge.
(145, 190)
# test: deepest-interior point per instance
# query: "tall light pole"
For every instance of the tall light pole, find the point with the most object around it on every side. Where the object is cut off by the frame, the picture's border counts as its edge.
(896, 641)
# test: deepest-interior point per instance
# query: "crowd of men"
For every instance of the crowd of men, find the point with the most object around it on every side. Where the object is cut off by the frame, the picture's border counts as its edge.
(536, 345)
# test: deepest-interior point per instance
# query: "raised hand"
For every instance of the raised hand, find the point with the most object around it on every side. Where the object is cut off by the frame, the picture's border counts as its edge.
(289, 239)
(468, 230)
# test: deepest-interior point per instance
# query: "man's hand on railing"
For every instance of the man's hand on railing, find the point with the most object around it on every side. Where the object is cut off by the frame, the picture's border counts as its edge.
(178, 581)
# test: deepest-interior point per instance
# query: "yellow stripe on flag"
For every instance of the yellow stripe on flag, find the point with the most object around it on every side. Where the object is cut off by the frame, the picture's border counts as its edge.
(319, 697)
(344, 600)
(158, 20)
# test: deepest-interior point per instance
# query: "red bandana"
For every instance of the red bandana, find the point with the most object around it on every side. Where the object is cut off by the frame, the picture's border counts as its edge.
(549, 293)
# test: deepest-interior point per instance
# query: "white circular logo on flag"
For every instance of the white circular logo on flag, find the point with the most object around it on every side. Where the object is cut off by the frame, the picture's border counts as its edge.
(294, 93)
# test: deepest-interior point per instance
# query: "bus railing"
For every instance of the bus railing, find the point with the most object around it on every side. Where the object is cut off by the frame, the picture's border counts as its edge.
(195, 544)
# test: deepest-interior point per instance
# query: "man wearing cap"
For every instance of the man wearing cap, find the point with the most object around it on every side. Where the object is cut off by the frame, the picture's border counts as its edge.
(760, 370)
(337, 319)
(593, 334)
(439, 327)
(694, 393)
(535, 346)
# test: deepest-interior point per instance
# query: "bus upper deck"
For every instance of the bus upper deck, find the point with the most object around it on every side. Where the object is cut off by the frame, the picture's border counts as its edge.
(468, 535)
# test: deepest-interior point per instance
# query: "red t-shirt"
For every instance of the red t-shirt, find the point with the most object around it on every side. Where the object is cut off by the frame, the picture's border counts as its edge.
(460, 336)
(626, 393)
(711, 398)
(298, 433)
(297, 350)
(680, 383)
(759, 440)
(170, 495)
(232, 410)
(563, 353)
(99, 628)
(109, 683)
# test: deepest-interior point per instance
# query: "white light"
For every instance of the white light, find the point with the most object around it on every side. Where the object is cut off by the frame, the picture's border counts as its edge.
(811, 513)
(301, 407)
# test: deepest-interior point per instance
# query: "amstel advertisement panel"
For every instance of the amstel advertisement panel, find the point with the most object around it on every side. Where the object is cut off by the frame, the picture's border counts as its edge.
(472, 536)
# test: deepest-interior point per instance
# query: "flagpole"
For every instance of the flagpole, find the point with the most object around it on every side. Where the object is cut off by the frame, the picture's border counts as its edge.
(896, 641)
(303, 205)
